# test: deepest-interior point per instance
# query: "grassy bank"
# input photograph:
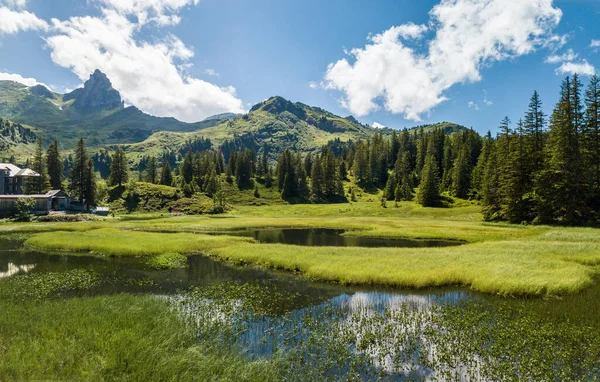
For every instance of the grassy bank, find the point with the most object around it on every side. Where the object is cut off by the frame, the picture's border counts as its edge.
(498, 258)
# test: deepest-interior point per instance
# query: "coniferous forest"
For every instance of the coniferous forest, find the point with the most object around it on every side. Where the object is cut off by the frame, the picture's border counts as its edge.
(541, 169)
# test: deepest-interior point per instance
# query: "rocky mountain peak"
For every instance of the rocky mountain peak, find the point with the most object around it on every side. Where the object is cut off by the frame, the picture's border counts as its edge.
(97, 94)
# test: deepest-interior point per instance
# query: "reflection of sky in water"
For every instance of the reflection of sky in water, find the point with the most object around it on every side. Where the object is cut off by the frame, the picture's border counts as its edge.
(14, 269)
(347, 313)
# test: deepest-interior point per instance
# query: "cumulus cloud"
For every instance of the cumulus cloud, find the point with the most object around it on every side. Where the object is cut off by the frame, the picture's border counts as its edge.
(151, 75)
(467, 35)
(570, 55)
(20, 79)
(15, 3)
(159, 11)
(211, 72)
(473, 105)
(12, 21)
(377, 125)
(582, 68)
(595, 44)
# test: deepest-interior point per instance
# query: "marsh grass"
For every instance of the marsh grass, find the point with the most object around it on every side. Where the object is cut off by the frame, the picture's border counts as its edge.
(119, 337)
(113, 242)
(499, 258)
(168, 261)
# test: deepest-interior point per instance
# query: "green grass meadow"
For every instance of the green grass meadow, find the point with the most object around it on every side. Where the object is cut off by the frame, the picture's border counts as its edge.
(496, 258)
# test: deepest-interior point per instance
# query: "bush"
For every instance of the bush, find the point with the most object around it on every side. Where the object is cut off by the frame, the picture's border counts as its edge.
(69, 218)
(24, 209)
(168, 261)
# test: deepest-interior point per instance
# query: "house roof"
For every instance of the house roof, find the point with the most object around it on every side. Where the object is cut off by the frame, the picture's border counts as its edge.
(48, 195)
(17, 171)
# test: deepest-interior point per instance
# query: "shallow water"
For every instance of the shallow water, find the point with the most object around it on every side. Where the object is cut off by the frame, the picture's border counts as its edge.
(323, 237)
(395, 330)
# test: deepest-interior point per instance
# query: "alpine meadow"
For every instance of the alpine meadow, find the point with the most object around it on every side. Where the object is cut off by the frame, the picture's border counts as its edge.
(165, 215)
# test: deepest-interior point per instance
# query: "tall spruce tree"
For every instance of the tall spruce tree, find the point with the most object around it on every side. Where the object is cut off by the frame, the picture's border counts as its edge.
(55, 166)
(591, 140)
(317, 181)
(561, 195)
(429, 188)
(490, 187)
(187, 168)
(152, 171)
(38, 184)
(166, 176)
(119, 168)
(91, 190)
(83, 179)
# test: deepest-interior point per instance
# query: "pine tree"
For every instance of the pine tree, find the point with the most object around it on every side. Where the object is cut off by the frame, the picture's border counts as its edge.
(534, 125)
(303, 190)
(389, 191)
(211, 185)
(429, 188)
(516, 179)
(166, 176)
(561, 192)
(490, 188)
(287, 177)
(152, 171)
(79, 172)
(361, 168)
(119, 169)
(243, 169)
(187, 168)
(591, 140)
(38, 184)
(404, 190)
(461, 172)
(317, 181)
(90, 191)
(269, 178)
(479, 169)
(55, 166)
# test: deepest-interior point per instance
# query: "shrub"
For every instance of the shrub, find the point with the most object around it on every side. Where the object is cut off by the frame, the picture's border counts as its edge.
(24, 209)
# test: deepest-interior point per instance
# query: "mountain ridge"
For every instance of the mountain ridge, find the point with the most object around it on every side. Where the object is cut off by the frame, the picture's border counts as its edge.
(97, 112)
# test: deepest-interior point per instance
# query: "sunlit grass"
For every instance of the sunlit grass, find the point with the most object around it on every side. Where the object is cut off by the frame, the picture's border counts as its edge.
(112, 338)
(113, 242)
(498, 258)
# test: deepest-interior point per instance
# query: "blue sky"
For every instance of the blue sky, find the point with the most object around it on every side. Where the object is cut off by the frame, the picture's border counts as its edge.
(190, 58)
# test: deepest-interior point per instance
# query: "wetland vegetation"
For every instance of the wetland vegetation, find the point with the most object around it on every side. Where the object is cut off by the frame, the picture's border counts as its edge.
(103, 317)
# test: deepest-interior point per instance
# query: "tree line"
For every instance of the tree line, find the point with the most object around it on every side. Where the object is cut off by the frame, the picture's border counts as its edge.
(543, 169)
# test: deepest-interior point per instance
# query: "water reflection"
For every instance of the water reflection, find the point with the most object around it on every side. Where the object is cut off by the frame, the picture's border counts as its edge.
(11, 269)
(321, 237)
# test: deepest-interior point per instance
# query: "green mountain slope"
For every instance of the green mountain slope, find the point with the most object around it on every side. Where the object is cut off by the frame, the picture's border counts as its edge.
(15, 140)
(277, 122)
(95, 112)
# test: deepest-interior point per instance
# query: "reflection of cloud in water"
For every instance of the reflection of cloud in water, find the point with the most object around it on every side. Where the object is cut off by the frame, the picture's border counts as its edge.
(352, 313)
(14, 269)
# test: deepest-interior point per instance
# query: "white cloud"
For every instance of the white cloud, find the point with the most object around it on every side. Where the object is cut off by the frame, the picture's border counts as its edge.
(469, 35)
(377, 125)
(20, 79)
(15, 3)
(473, 105)
(212, 72)
(556, 59)
(149, 75)
(159, 11)
(12, 22)
(582, 68)
(595, 44)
